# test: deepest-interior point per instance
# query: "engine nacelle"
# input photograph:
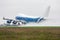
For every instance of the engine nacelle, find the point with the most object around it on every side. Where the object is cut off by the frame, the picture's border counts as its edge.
(9, 21)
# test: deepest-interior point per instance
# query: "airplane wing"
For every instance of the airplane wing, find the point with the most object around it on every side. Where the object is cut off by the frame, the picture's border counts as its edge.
(11, 19)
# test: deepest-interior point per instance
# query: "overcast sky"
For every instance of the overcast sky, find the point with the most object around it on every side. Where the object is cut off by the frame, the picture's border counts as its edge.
(10, 8)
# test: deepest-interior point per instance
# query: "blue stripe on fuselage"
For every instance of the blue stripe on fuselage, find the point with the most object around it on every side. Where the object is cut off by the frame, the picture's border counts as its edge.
(27, 19)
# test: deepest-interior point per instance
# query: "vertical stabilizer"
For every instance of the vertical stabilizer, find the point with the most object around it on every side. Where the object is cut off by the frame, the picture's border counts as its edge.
(47, 12)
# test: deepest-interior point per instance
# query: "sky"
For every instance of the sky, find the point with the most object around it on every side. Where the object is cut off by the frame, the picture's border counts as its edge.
(10, 8)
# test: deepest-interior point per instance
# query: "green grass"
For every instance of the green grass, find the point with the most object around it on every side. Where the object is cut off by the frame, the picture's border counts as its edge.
(30, 33)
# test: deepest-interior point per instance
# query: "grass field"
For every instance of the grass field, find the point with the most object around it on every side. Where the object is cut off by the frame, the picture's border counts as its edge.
(30, 33)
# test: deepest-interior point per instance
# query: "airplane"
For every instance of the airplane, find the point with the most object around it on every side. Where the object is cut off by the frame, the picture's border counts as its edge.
(24, 19)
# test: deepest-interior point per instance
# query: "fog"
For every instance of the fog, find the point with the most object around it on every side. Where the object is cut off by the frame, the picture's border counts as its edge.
(10, 8)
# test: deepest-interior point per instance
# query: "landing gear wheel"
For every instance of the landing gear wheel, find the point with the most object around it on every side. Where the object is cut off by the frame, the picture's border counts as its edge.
(23, 22)
(19, 24)
(14, 22)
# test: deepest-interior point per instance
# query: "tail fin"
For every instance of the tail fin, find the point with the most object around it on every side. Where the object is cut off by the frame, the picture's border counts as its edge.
(47, 12)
